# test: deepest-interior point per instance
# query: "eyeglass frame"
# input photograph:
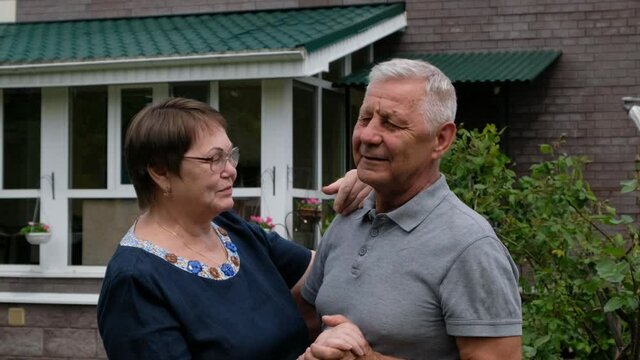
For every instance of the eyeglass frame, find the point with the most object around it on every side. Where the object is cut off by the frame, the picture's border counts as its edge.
(233, 156)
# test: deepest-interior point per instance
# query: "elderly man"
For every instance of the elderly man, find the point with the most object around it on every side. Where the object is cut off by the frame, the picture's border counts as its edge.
(415, 273)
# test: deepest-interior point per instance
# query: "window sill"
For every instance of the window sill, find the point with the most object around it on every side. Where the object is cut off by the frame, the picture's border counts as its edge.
(35, 271)
(48, 298)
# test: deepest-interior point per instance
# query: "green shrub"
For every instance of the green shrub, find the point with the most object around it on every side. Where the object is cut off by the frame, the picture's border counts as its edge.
(579, 285)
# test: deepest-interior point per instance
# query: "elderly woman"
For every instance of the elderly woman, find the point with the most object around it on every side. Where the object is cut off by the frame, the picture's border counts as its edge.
(181, 286)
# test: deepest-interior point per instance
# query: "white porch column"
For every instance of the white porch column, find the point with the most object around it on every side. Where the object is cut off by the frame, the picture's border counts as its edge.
(276, 154)
(54, 255)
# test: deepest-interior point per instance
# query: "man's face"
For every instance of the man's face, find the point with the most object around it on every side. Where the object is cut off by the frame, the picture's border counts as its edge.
(392, 145)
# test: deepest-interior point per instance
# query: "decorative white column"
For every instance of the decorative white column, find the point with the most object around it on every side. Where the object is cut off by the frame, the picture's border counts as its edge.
(276, 155)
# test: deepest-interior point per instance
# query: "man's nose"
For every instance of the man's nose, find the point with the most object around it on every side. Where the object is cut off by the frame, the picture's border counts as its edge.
(371, 134)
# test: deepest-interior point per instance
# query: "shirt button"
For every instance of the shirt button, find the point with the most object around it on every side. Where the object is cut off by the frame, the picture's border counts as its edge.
(363, 250)
(374, 232)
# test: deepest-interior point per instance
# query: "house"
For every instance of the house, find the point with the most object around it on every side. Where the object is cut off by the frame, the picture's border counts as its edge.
(289, 77)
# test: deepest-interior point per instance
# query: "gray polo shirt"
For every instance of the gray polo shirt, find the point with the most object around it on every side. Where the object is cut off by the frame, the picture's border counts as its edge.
(416, 277)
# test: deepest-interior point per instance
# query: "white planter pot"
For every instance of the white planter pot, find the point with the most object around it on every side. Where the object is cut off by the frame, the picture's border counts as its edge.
(37, 238)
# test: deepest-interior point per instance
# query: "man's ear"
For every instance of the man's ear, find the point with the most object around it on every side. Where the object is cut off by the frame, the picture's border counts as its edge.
(160, 176)
(444, 138)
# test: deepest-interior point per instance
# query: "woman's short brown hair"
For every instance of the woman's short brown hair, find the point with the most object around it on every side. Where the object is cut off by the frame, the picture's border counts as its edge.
(160, 135)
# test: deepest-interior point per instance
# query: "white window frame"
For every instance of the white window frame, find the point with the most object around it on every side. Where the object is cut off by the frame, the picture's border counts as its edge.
(55, 255)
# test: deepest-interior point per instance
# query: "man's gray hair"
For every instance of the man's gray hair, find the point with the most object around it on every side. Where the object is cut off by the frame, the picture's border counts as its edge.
(439, 104)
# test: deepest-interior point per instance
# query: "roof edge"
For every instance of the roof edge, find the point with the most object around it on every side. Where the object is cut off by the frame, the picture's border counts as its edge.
(255, 56)
(393, 10)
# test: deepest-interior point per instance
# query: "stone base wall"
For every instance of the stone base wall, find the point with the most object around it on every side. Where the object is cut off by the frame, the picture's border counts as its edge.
(51, 332)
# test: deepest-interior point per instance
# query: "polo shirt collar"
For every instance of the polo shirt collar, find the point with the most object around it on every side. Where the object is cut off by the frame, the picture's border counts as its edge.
(414, 211)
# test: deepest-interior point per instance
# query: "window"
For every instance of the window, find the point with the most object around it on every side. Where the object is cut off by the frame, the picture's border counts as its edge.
(14, 248)
(240, 104)
(197, 91)
(97, 226)
(333, 136)
(304, 136)
(20, 122)
(132, 101)
(21, 139)
(88, 138)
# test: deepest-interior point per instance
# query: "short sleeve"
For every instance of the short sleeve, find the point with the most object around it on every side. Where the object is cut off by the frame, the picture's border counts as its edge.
(314, 280)
(480, 292)
(290, 259)
(135, 323)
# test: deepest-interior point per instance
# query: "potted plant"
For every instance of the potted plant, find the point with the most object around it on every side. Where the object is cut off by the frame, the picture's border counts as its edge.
(266, 224)
(309, 209)
(36, 232)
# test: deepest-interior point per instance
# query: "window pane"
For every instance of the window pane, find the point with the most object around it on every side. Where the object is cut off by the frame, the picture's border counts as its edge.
(333, 136)
(356, 96)
(14, 248)
(197, 91)
(21, 139)
(246, 207)
(304, 226)
(88, 139)
(304, 136)
(133, 100)
(240, 104)
(94, 236)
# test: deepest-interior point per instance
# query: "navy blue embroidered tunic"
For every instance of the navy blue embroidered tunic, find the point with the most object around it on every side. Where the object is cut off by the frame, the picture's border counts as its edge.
(153, 306)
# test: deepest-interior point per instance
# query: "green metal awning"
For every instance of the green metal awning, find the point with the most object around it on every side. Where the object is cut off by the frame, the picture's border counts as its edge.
(234, 45)
(503, 66)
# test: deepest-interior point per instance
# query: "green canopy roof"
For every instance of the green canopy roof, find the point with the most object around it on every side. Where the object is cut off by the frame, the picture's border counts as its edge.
(503, 66)
(186, 35)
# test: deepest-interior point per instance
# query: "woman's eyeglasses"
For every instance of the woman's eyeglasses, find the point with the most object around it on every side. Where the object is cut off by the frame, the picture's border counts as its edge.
(218, 161)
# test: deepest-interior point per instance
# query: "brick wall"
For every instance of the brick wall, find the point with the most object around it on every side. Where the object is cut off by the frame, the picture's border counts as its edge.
(51, 332)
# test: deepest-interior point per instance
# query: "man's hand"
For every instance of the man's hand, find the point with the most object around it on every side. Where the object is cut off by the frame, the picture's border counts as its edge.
(343, 340)
(350, 191)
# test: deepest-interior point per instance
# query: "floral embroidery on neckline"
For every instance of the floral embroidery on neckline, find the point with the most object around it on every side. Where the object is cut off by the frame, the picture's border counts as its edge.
(225, 271)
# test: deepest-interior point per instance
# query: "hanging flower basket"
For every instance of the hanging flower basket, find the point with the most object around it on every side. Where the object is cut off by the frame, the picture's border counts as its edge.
(36, 232)
(38, 238)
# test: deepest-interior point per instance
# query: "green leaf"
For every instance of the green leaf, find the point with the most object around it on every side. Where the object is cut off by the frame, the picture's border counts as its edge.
(613, 304)
(611, 271)
(614, 251)
(629, 186)
(546, 149)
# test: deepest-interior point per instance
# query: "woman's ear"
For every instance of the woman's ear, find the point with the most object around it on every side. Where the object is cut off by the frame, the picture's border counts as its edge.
(161, 177)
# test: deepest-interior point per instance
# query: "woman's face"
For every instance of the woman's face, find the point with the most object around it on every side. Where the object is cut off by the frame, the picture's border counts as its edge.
(200, 190)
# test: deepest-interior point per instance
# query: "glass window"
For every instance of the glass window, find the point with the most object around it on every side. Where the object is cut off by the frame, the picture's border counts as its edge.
(21, 139)
(304, 136)
(88, 139)
(97, 226)
(240, 104)
(245, 207)
(197, 91)
(14, 248)
(132, 100)
(356, 96)
(304, 225)
(333, 136)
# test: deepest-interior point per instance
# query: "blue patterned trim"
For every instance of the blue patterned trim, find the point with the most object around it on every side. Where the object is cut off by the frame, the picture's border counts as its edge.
(225, 271)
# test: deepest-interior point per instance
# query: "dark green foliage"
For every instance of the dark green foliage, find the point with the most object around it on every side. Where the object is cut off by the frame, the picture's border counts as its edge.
(578, 283)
